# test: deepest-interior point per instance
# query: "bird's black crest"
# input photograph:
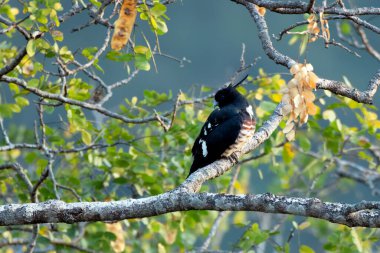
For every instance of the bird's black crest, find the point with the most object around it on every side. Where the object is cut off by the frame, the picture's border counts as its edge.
(240, 82)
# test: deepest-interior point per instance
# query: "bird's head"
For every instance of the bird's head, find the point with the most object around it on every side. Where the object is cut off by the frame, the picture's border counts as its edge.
(230, 95)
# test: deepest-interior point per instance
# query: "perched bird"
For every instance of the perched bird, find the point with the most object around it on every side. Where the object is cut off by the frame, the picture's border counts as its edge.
(226, 130)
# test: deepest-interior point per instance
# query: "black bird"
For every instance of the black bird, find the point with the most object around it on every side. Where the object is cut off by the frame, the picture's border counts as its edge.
(226, 130)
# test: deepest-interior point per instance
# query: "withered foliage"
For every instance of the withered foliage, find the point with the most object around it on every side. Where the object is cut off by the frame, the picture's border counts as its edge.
(299, 97)
(124, 24)
(261, 10)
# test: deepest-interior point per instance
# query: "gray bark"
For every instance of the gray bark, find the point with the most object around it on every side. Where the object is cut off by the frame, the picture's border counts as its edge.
(366, 214)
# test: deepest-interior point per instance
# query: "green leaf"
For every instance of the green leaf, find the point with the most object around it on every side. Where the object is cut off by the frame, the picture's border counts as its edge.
(141, 49)
(144, 16)
(118, 56)
(96, 3)
(86, 137)
(303, 45)
(305, 143)
(306, 249)
(42, 44)
(329, 115)
(66, 54)
(57, 35)
(356, 240)
(31, 48)
(158, 9)
(288, 153)
(162, 28)
(345, 27)
(259, 236)
(58, 6)
(153, 22)
(89, 52)
(21, 101)
(14, 87)
(54, 17)
(161, 248)
(142, 63)
(5, 110)
(267, 106)
(15, 108)
(253, 236)
(293, 40)
(330, 246)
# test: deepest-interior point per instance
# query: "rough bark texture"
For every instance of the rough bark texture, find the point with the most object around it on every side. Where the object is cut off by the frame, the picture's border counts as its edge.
(364, 214)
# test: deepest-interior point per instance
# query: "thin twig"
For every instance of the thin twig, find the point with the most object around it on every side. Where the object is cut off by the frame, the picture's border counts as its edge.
(70, 190)
(4, 132)
(33, 240)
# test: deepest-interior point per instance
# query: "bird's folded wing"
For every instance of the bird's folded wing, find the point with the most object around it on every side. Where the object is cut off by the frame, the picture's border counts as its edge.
(218, 133)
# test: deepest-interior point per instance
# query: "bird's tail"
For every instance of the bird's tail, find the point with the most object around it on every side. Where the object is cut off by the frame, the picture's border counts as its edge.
(197, 164)
(193, 168)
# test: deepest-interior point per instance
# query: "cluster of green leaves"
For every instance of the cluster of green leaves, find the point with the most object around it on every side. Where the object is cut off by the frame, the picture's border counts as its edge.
(155, 16)
(43, 11)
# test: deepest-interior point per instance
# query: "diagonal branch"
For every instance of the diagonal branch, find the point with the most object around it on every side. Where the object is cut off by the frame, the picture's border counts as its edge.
(266, 42)
(13, 64)
(194, 182)
(60, 98)
(336, 87)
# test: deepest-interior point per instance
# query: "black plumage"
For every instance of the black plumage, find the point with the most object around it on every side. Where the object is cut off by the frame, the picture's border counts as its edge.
(226, 130)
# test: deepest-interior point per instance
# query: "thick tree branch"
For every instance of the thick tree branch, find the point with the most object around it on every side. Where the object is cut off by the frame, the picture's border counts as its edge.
(365, 214)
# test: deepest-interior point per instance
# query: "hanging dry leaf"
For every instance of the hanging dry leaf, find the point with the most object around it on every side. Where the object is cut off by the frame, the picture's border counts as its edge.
(312, 109)
(313, 28)
(124, 24)
(298, 98)
(324, 27)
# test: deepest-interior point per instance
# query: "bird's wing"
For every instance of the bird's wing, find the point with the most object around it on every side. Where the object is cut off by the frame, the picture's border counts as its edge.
(217, 134)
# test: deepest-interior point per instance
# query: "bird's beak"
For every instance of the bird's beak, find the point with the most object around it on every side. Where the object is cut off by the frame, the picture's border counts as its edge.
(216, 104)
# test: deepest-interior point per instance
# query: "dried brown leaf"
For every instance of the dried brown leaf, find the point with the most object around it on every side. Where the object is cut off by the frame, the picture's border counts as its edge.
(312, 109)
(308, 95)
(291, 135)
(288, 127)
(261, 10)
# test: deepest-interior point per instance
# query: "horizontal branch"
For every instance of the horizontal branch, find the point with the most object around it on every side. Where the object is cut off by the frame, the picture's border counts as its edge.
(365, 214)
(356, 20)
